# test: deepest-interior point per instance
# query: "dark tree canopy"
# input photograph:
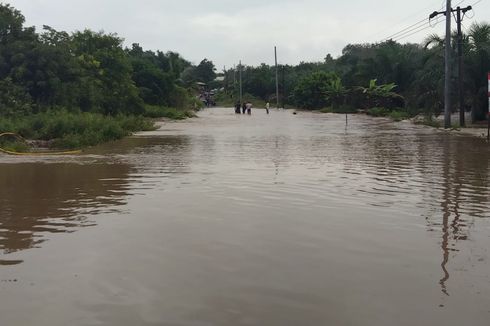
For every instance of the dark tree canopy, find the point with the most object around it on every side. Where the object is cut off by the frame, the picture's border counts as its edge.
(87, 71)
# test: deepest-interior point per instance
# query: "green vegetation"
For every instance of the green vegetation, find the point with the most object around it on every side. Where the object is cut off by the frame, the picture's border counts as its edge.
(75, 130)
(226, 100)
(387, 74)
(344, 109)
(152, 111)
(13, 145)
(84, 88)
(396, 114)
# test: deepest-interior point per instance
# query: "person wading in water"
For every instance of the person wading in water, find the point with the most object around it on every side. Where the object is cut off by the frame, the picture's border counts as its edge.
(249, 107)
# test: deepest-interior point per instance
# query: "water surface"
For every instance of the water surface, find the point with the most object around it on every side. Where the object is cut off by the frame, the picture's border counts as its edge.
(251, 220)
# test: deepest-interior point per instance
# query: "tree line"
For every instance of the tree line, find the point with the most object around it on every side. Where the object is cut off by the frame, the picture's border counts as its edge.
(387, 74)
(86, 72)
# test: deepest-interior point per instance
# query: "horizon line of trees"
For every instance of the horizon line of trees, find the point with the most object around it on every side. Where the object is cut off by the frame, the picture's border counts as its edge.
(410, 76)
(88, 71)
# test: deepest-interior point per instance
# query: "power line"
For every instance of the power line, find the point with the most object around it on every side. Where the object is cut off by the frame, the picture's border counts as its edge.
(474, 4)
(420, 28)
(411, 27)
(416, 26)
(403, 20)
(407, 29)
(427, 25)
(401, 37)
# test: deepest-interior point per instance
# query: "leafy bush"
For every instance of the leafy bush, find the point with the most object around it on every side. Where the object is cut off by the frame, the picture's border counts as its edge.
(344, 109)
(74, 130)
(399, 115)
(326, 110)
(311, 91)
(13, 144)
(180, 98)
(152, 111)
(14, 99)
(379, 112)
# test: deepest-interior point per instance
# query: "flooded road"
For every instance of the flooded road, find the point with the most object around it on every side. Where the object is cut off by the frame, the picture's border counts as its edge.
(251, 220)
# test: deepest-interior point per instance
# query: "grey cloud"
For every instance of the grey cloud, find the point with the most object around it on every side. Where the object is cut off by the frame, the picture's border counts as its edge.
(226, 31)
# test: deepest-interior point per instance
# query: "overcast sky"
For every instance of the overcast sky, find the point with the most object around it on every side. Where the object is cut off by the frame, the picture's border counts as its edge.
(226, 31)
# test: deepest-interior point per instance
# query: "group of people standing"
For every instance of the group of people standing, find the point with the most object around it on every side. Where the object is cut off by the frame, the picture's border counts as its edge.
(246, 107)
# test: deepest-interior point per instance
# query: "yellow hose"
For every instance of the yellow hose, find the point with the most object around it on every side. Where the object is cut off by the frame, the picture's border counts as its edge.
(32, 153)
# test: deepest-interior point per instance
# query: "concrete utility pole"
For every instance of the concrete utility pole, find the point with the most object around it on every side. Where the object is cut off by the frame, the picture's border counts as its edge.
(240, 74)
(488, 113)
(447, 81)
(460, 70)
(283, 80)
(448, 69)
(277, 79)
(225, 80)
(460, 17)
(234, 81)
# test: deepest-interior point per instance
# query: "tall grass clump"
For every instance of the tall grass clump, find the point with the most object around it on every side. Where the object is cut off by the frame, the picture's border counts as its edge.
(74, 129)
(153, 111)
(396, 115)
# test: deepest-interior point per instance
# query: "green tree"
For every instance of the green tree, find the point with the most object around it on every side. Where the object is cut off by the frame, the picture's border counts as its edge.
(150, 72)
(311, 91)
(106, 83)
(205, 71)
(477, 66)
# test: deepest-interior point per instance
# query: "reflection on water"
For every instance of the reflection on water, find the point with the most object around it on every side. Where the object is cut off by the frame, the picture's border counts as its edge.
(461, 187)
(450, 171)
(42, 198)
(261, 220)
(38, 199)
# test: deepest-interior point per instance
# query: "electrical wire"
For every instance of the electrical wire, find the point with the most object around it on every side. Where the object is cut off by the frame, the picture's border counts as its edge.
(416, 27)
(438, 21)
(427, 25)
(419, 27)
(402, 21)
(407, 29)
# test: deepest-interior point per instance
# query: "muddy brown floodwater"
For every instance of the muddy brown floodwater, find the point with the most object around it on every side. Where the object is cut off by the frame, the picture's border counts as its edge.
(251, 220)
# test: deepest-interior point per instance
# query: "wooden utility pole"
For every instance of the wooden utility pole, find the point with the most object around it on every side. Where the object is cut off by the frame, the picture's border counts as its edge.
(277, 79)
(447, 78)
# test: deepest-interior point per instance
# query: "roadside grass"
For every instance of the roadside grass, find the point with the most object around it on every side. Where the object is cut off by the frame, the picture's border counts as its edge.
(396, 115)
(14, 145)
(71, 130)
(152, 111)
(342, 109)
(326, 110)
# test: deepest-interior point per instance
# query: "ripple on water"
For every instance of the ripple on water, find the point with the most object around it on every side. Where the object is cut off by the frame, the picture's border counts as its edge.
(298, 215)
